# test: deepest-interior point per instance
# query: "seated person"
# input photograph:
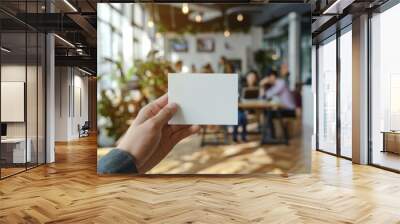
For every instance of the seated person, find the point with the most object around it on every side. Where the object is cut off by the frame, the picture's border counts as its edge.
(276, 89)
(178, 66)
(207, 68)
(147, 141)
(251, 81)
(242, 121)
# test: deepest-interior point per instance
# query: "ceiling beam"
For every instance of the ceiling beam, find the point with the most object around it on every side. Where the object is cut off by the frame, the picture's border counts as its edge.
(84, 24)
(77, 61)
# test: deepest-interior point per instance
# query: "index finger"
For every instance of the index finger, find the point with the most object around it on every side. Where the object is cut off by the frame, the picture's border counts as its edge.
(151, 109)
(161, 101)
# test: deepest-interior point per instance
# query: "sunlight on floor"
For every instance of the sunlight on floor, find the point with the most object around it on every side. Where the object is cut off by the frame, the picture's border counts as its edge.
(243, 158)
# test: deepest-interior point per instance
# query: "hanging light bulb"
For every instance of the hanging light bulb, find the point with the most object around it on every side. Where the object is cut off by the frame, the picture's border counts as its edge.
(274, 56)
(185, 8)
(240, 17)
(198, 18)
(227, 33)
(150, 23)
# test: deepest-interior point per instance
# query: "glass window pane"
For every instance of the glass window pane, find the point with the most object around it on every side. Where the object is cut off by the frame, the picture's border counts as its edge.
(385, 84)
(346, 94)
(327, 96)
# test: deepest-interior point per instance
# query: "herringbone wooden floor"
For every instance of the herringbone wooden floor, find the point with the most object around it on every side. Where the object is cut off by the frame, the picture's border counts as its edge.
(235, 158)
(70, 191)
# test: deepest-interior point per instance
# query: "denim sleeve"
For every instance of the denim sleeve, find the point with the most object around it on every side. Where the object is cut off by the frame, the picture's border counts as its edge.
(117, 161)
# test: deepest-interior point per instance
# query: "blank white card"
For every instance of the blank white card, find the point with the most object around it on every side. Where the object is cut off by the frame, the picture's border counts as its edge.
(204, 98)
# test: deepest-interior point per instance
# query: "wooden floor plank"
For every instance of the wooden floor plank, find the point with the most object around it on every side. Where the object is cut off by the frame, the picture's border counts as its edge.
(69, 191)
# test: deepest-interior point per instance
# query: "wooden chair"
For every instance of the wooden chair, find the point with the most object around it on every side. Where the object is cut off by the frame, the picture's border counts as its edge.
(84, 130)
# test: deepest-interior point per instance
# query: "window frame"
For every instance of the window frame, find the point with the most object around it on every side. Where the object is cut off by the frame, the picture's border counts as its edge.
(334, 36)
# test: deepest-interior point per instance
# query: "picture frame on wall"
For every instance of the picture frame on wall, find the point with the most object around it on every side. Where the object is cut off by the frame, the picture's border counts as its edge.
(179, 45)
(205, 45)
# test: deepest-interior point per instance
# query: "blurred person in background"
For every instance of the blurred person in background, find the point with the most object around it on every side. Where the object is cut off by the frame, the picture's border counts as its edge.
(207, 68)
(251, 81)
(178, 66)
(284, 72)
(222, 64)
(275, 89)
(193, 68)
(228, 68)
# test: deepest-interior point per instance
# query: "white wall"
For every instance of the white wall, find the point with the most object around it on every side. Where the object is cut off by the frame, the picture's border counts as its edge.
(12, 73)
(80, 94)
(241, 47)
(70, 83)
(61, 103)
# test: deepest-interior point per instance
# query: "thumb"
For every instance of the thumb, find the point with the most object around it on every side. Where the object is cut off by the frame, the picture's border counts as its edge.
(165, 114)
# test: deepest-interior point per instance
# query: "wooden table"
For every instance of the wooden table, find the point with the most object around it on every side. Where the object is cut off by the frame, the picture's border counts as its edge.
(260, 106)
(391, 141)
(13, 150)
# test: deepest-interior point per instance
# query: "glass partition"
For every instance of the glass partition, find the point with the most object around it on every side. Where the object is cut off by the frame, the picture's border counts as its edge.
(14, 153)
(22, 77)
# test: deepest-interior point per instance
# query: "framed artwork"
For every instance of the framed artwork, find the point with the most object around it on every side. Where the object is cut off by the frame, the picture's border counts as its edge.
(205, 45)
(179, 45)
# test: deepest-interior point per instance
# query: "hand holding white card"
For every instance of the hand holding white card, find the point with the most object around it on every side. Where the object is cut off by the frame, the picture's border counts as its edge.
(204, 98)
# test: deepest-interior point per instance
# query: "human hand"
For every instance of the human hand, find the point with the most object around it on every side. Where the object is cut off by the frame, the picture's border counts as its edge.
(149, 138)
(264, 81)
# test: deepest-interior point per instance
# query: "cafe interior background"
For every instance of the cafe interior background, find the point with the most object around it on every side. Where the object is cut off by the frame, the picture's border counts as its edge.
(140, 43)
